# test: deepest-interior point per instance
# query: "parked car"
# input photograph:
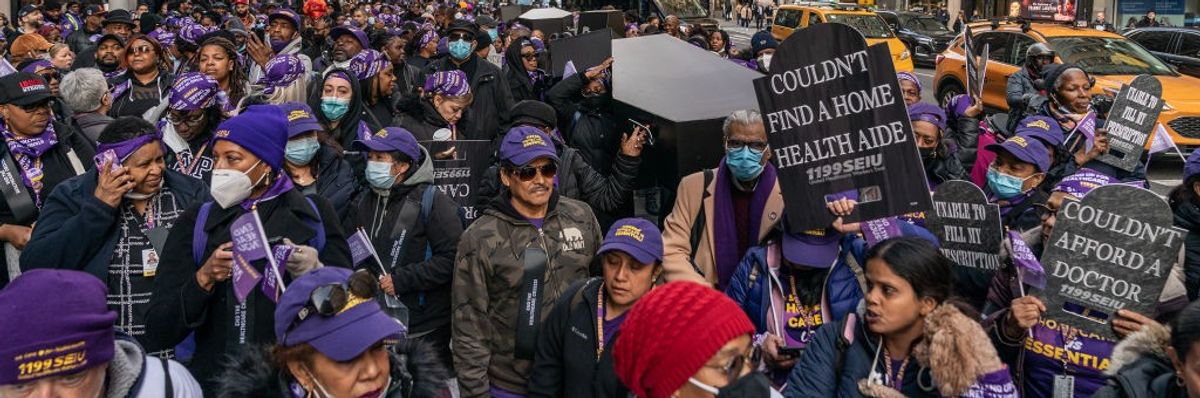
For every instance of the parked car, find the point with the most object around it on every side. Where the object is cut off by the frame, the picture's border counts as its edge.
(1176, 46)
(924, 35)
(1110, 58)
(791, 17)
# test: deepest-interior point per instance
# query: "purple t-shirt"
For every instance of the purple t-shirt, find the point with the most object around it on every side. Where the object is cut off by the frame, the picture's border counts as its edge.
(611, 326)
(537, 222)
(497, 392)
(1086, 356)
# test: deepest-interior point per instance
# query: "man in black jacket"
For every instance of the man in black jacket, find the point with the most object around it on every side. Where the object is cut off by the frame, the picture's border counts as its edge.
(81, 40)
(492, 96)
(116, 22)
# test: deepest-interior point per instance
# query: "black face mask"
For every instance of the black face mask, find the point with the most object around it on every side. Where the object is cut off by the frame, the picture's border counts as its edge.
(927, 153)
(753, 385)
(596, 102)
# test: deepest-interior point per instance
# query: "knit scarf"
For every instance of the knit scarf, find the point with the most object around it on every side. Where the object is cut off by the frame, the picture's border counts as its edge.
(28, 153)
(726, 254)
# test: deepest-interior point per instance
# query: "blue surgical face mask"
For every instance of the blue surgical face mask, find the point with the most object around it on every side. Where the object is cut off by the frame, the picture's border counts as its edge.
(745, 163)
(1003, 185)
(302, 151)
(379, 174)
(460, 49)
(493, 34)
(334, 108)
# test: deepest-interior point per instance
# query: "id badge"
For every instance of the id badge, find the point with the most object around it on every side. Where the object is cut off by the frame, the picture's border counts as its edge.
(149, 263)
(1064, 386)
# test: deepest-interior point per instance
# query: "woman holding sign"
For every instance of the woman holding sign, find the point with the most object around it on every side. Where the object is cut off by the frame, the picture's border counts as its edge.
(1161, 361)
(415, 230)
(929, 125)
(195, 291)
(129, 201)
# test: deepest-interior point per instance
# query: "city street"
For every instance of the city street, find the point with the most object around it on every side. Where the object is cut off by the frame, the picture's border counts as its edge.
(1165, 168)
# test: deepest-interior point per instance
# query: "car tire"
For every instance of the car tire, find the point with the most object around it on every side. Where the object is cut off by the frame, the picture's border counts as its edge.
(948, 90)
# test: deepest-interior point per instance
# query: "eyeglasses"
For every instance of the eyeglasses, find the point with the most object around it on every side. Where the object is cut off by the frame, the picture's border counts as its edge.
(529, 57)
(757, 146)
(733, 369)
(189, 118)
(37, 106)
(456, 36)
(143, 49)
(1046, 211)
(50, 74)
(526, 173)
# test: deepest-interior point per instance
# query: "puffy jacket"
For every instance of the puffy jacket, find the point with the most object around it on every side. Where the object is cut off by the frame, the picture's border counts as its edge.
(133, 374)
(421, 275)
(1141, 368)
(488, 285)
(587, 128)
(253, 373)
(751, 284)
(492, 97)
(336, 181)
(1187, 216)
(81, 40)
(78, 231)
(1019, 93)
(963, 134)
(943, 166)
(179, 306)
(566, 363)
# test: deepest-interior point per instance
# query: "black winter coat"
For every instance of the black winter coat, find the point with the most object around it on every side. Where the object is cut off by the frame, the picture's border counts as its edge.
(1187, 216)
(421, 119)
(519, 83)
(589, 129)
(336, 181)
(179, 305)
(565, 364)
(492, 98)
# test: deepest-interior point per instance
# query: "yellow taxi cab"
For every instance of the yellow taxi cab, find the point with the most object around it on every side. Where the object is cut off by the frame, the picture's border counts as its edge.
(1110, 58)
(790, 17)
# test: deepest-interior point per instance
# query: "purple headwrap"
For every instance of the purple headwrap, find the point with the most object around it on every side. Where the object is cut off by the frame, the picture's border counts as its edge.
(164, 37)
(428, 36)
(1082, 182)
(281, 71)
(123, 149)
(191, 33)
(538, 44)
(909, 77)
(194, 91)
(927, 113)
(34, 66)
(390, 19)
(448, 83)
(368, 63)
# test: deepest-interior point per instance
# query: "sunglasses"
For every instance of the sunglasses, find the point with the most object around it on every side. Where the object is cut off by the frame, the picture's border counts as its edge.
(460, 36)
(757, 146)
(526, 173)
(529, 57)
(51, 75)
(141, 49)
(325, 300)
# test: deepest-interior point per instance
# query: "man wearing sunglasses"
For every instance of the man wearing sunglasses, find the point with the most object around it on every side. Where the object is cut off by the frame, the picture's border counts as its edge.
(512, 264)
(719, 213)
(493, 97)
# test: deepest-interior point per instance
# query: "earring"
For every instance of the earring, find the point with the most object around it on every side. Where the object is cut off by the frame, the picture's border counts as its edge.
(1178, 379)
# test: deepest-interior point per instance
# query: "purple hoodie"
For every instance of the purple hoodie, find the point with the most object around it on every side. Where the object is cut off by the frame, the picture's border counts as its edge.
(1086, 357)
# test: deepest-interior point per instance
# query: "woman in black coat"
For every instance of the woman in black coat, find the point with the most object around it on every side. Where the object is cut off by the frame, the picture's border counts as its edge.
(338, 104)
(442, 106)
(194, 292)
(315, 162)
(525, 80)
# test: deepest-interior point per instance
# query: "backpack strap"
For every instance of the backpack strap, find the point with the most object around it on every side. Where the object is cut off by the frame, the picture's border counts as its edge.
(844, 341)
(698, 223)
(318, 226)
(426, 208)
(199, 236)
(169, 390)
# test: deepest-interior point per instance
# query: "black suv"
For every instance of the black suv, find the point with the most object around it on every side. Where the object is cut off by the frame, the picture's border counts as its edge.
(924, 35)
(1176, 46)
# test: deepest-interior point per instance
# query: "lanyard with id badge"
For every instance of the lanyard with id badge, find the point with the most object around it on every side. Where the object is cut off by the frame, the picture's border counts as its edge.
(157, 235)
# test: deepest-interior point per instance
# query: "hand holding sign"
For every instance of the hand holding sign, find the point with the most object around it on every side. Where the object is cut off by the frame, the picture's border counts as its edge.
(1023, 313)
(218, 267)
(1131, 121)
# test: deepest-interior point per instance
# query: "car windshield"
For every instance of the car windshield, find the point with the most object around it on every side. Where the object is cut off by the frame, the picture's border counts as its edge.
(925, 24)
(682, 8)
(870, 26)
(1109, 56)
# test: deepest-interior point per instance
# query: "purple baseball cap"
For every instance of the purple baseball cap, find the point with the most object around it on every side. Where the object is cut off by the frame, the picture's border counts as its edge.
(636, 237)
(391, 139)
(300, 118)
(341, 337)
(281, 71)
(1192, 166)
(927, 113)
(194, 91)
(1027, 150)
(37, 65)
(817, 248)
(1043, 128)
(524, 144)
(1082, 182)
(351, 30)
(368, 63)
(287, 14)
(58, 334)
(452, 83)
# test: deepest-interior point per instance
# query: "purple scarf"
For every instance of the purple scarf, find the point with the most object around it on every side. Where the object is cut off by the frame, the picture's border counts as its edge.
(726, 255)
(123, 149)
(280, 187)
(28, 153)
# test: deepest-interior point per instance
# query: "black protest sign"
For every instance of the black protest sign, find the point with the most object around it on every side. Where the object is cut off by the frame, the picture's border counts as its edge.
(967, 226)
(1131, 121)
(458, 169)
(590, 21)
(513, 11)
(583, 51)
(1111, 251)
(838, 128)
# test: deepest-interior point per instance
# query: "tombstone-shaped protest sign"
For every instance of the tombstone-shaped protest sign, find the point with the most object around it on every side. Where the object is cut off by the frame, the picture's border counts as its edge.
(1113, 250)
(583, 51)
(590, 21)
(1131, 121)
(838, 128)
(458, 168)
(511, 12)
(547, 20)
(966, 225)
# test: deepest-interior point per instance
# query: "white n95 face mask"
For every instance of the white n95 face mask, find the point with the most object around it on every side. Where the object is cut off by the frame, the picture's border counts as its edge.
(231, 186)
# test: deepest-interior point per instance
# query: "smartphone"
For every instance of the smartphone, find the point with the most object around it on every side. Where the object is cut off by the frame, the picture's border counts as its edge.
(649, 133)
(793, 352)
(109, 156)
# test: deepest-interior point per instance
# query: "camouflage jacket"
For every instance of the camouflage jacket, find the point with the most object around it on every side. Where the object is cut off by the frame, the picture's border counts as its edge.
(487, 286)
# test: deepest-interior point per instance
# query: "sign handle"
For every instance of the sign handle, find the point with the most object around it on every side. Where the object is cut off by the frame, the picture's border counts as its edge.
(378, 262)
(270, 253)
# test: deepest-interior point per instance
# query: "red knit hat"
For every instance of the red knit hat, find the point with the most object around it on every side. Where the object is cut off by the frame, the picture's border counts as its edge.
(670, 333)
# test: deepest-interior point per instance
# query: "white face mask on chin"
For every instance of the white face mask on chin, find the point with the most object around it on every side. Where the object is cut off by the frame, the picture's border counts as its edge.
(231, 186)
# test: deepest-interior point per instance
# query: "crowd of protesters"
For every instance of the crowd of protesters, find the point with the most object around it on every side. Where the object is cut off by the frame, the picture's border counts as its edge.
(141, 145)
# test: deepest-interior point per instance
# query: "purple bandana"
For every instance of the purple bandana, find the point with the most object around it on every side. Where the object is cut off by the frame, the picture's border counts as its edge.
(28, 153)
(909, 77)
(448, 83)
(390, 19)
(164, 37)
(194, 91)
(35, 66)
(281, 71)
(367, 63)
(1082, 182)
(927, 113)
(123, 149)
(114, 74)
(191, 33)
(429, 36)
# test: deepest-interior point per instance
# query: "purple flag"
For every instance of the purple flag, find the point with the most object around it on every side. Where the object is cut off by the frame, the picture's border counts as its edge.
(360, 246)
(249, 244)
(1028, 267)
(244, 277)
(273, 275)
(879, 230)
(1087, 127)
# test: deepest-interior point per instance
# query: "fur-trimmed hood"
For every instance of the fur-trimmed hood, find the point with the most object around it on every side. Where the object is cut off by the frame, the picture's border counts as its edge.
(416, 373)
(1151, 341)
